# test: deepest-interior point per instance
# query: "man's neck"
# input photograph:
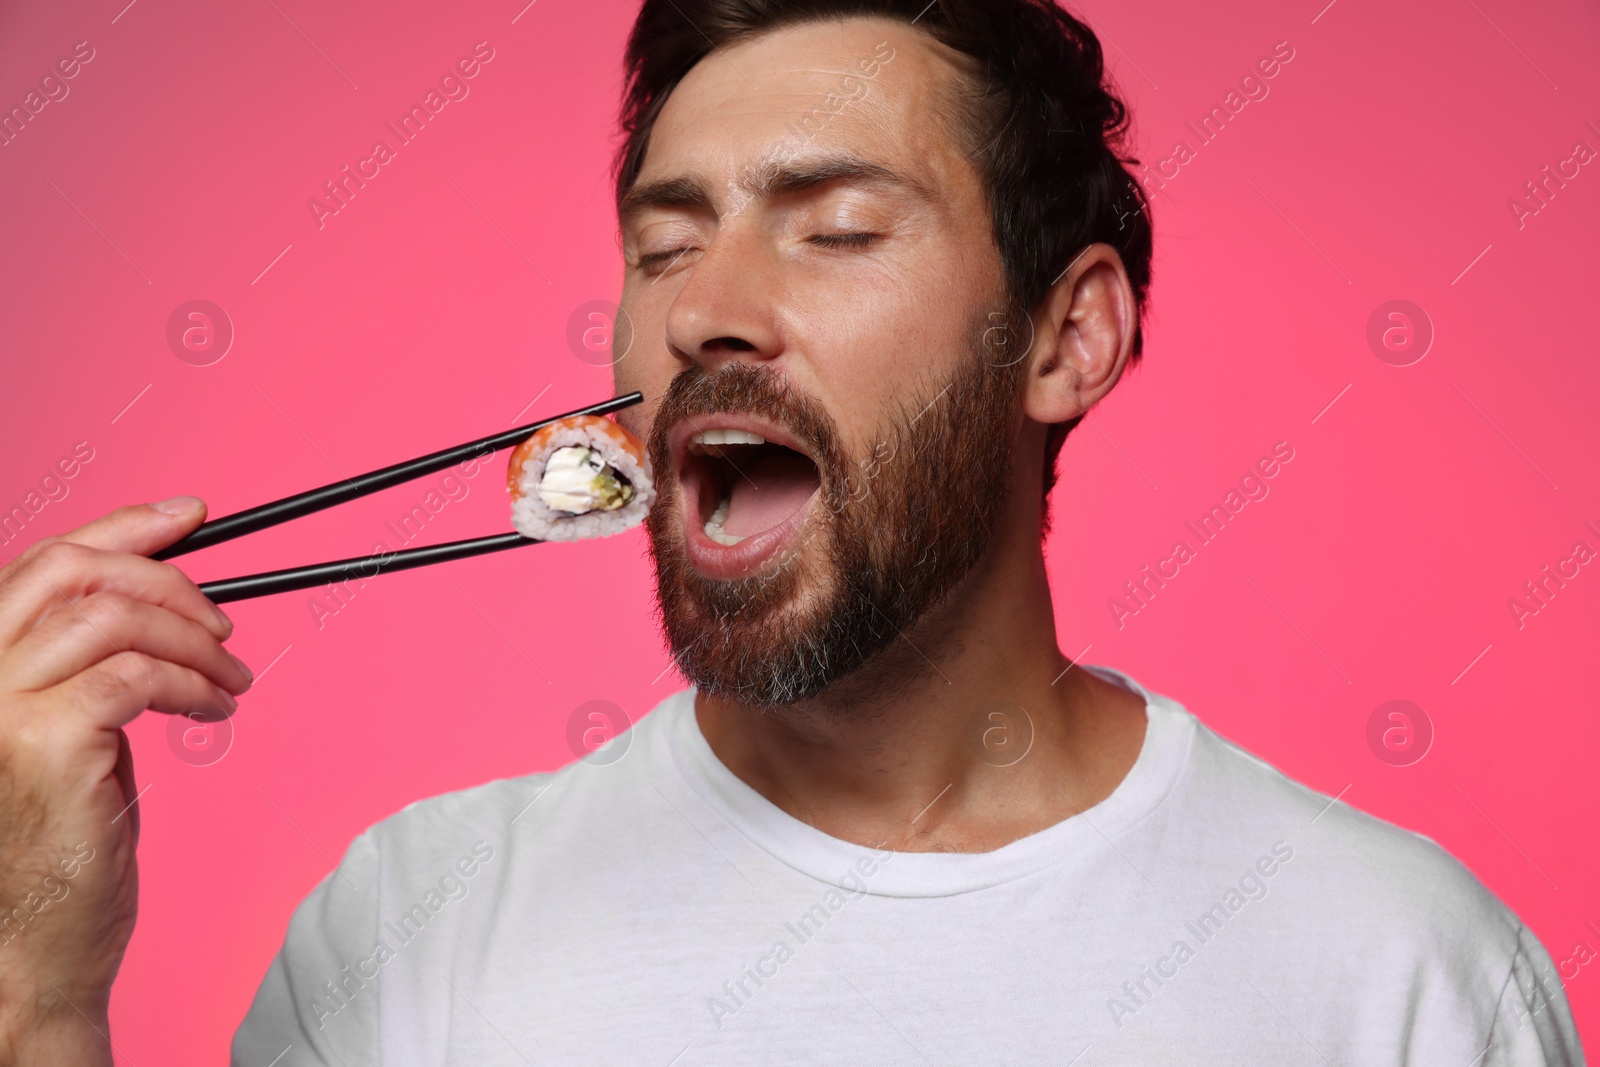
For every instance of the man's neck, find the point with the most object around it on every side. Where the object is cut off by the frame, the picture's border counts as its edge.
(970, 731)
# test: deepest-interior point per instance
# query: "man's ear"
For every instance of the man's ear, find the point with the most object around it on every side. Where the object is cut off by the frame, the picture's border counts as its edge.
(1083, 337)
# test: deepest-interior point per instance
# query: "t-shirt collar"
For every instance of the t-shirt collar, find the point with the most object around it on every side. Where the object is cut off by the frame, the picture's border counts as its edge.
(828, 859)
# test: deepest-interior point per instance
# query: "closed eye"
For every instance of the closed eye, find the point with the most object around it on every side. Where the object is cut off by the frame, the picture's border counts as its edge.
(843, 240)
(657, 262)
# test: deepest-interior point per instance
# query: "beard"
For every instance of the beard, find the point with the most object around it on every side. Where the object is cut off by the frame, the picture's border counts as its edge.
(895, 528)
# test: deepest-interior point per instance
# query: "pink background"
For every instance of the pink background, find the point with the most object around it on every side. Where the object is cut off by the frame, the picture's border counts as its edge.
(434, 308)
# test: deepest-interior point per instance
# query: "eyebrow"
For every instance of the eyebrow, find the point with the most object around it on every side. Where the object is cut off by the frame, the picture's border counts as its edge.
(768, 181)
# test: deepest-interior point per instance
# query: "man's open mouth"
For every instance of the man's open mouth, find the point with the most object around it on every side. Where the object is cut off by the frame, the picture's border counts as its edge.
(746, 487)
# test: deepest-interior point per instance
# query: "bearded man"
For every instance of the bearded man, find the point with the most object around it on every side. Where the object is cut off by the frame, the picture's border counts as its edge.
(881, 257)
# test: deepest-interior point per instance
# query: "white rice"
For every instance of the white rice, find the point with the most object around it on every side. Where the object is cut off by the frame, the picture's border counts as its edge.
(532, 517)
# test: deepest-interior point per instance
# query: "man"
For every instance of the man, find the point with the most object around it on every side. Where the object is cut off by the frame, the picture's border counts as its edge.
(880, 259)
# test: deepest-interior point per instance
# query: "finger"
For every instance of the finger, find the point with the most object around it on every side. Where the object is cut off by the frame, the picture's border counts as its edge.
(141, 528)
(114, 691)
(103, 624)
(53, 574)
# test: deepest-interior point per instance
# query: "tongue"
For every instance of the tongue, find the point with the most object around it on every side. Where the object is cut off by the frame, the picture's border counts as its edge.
(783, 481)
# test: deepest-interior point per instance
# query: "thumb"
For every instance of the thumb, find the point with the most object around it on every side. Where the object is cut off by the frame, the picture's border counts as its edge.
(142, 528)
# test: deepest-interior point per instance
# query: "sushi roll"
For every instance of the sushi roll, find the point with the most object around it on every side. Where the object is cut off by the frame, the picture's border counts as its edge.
(580, 477)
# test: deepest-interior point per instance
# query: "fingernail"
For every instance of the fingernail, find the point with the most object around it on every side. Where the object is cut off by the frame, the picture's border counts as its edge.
(237, 662)
(228, 702)
(222, 616)
(179, 505)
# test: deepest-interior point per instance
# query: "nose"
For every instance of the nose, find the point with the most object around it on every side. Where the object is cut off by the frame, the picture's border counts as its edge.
(728, 307)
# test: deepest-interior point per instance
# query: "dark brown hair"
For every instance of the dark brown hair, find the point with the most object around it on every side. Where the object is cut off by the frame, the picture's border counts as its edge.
(1049, 130)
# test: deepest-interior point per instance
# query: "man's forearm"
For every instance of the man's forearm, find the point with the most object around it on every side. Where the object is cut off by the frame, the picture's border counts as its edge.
(48, 1035)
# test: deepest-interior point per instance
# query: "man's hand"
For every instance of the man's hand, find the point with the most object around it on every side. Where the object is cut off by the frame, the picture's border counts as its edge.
(91, 634)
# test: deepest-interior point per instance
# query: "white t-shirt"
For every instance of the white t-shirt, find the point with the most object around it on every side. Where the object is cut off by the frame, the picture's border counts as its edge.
(655, 911)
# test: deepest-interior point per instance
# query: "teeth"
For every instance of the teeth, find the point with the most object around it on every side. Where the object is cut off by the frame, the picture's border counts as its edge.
(728, 437)
(714, 523)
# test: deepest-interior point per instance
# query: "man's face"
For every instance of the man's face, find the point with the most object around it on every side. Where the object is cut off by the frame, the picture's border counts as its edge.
(811, 264)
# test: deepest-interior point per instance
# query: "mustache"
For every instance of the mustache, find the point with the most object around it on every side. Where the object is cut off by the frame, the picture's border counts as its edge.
(745, 388)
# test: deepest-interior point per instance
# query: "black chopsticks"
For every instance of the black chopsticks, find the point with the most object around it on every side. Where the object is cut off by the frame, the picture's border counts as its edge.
(362, 567)
(358, 569)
